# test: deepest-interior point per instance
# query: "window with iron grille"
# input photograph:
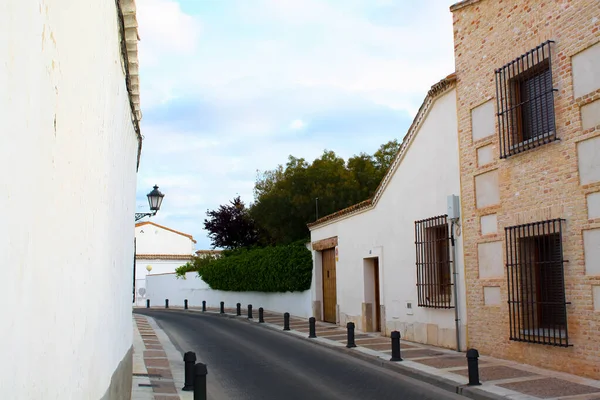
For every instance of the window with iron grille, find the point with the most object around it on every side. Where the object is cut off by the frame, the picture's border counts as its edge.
(536, 288)
(525, 101)
(434, 282)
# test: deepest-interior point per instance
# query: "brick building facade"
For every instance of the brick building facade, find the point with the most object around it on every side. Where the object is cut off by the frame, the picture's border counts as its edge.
(528, 92)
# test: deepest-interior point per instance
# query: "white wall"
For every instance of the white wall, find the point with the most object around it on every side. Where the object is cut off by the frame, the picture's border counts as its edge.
(156, 240)
(158, 267)
(68, 158)
(167, 286)
(419, 188)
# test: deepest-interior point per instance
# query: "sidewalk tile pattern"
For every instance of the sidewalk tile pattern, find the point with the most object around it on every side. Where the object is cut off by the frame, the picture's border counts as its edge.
(156, 362)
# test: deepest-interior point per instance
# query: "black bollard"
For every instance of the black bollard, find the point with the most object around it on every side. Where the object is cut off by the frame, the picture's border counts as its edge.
(203, 305)
(200, 373)
(261, 315)
(222, 307)
(395, 346)
(311, 327)
(189, 359)
(239, 309)
(286, 321)
(249, 311)
(147, 303)
(473, 364)
(185, 304)
(166, 303)
(350, 343)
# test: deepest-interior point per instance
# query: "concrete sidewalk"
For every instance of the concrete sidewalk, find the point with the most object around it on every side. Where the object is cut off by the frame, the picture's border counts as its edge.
(158, 367)
(444, 368)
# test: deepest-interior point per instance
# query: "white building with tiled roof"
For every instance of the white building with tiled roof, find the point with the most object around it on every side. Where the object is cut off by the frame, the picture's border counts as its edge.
(158, 250)
(388, 263)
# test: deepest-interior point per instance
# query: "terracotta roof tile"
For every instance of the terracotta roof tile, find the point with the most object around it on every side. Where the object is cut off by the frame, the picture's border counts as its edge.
(345, 211)
(163, 257)
(165, 228)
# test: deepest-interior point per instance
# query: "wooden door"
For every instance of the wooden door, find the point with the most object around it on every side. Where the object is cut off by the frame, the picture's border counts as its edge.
(329, 286)
(377, 301)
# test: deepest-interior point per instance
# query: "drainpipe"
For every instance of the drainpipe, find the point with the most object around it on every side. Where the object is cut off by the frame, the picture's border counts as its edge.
(455, 273)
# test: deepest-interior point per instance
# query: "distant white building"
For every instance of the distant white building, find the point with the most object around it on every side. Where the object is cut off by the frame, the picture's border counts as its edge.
(158, 250)
(69, 149)
(387, 263)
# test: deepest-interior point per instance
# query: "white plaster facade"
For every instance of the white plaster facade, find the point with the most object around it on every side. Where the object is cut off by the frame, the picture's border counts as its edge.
(424, 173)
(162, 249)
(69, 147)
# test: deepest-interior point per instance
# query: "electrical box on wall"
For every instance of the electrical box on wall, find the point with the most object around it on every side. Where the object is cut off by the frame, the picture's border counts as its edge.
(453, 207)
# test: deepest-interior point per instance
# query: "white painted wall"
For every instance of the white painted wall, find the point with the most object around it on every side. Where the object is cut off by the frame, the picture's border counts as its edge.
(151, 239)
(68, 155)
(158, 267)
(167, 286)
(418, 190)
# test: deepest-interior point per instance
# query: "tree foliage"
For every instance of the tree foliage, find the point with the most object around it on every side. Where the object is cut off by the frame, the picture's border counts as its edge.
(269, 269)
(231, 226)
(287, 198)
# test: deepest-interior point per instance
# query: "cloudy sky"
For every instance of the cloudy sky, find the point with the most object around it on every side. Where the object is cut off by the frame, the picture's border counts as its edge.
(230, 87)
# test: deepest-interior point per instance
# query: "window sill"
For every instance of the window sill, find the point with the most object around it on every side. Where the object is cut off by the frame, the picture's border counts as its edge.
(521, 146)
(544, 333)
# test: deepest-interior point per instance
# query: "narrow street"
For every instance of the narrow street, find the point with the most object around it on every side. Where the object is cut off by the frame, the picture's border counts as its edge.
(248, 362)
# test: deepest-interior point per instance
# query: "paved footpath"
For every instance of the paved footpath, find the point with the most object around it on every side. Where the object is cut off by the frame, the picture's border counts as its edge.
(444, 368)
(157, 366)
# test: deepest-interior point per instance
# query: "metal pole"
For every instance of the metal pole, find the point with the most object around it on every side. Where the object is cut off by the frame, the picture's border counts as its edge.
(222, 311)
(473, 364)
(395, 346)
(350, 343)
(455, 274)
(200, 372)
(189, 359)
(311, 328)
(261, 315)
(166, 303)
(238, 309)
(203, 305)
(249, 311)
(185, 304)
(147, 303)
(286, 321)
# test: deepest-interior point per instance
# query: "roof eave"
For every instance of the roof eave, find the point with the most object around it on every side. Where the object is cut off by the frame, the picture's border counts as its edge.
(129, 37)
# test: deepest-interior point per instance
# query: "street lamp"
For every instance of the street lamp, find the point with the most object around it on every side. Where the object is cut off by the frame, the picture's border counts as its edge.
(155, 198)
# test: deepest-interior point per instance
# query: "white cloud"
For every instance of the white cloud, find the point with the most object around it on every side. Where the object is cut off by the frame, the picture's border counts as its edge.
(260, 65)
(297, 124)
(165, 28)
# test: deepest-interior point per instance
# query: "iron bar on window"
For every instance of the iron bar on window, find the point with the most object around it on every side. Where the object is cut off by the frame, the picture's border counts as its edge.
(525, 101)
(536, 289)
(434, 281)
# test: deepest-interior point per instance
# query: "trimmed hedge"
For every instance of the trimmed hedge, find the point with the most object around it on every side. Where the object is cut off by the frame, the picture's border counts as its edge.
(269, 269)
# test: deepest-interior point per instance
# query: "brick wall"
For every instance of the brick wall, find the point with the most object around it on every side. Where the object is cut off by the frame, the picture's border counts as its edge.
(535, 185)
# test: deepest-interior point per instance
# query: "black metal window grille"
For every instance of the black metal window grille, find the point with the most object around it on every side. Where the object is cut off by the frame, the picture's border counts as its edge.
(536, 287)
(434, 282)
(525, 101)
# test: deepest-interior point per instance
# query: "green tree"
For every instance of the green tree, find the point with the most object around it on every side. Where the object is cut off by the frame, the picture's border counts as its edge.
(285, 198)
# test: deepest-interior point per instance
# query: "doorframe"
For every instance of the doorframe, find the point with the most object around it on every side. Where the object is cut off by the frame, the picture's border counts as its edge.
(336, 318)
(318, 246)
(377, 252)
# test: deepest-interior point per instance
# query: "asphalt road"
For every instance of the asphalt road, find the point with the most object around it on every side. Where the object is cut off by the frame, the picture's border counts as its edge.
(248, 362)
